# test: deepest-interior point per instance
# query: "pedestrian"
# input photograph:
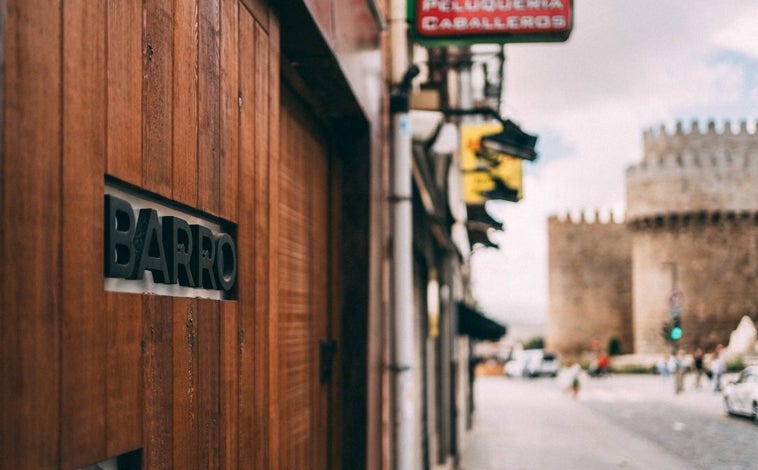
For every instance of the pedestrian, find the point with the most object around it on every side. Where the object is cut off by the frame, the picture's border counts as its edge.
(718, 367)
(662, 366)
(575, 385)
(697, 359)
(678, 368)
(601, 366)
(574, 382)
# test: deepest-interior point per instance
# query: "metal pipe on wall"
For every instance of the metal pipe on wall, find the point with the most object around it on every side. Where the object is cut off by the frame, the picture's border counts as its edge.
(406, 425)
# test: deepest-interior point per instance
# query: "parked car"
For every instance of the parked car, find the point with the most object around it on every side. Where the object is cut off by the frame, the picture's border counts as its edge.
(533, 363)
(548, 365)
(741, 395)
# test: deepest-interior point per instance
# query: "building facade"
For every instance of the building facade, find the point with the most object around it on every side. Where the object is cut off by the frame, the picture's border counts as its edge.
(195, 225)
(188, 275)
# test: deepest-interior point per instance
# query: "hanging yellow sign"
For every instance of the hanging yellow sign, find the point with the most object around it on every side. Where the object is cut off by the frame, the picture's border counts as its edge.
(487, 175)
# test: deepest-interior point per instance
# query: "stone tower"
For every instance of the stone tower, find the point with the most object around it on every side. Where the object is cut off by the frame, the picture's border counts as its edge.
(692, 210)
(590, 285)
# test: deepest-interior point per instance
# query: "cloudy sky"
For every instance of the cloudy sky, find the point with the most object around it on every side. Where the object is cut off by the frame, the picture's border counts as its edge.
(628, 66)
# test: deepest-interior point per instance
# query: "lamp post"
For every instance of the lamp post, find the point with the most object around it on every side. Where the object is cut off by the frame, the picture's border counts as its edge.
(674, 270)
(674, 326)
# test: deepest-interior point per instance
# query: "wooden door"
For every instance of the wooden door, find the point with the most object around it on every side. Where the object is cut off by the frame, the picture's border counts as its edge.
(305, 280)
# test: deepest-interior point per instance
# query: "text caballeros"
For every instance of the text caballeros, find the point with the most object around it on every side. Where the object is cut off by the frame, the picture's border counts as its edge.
(496, 23)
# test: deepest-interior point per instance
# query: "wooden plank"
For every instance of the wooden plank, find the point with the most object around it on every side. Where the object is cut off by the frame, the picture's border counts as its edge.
(271, 106)
(260, 11)
(209, 95)
(124, 373)
(157, 434)
(157, 175)
(229, 108)
(208, 383)
(125, 91)
(185, 367)
(185, 83)
(156, 97)
(293, 293)
(31, 186)
(252, 428)
(229, 385)
(83, 340)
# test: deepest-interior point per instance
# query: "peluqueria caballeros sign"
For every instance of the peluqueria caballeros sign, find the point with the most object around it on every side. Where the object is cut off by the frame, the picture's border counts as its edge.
(462, 22)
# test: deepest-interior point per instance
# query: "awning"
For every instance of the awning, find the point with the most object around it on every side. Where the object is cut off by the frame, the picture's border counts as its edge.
(473, 323)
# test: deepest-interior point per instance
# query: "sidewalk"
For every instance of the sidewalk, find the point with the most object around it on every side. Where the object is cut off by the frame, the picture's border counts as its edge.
(509, 433)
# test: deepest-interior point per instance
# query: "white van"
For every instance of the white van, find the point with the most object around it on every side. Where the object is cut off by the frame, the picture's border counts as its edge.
(533, 363)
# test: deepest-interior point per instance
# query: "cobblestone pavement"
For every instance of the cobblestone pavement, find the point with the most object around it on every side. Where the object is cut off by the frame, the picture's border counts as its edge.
(691, 425)
(626, 422)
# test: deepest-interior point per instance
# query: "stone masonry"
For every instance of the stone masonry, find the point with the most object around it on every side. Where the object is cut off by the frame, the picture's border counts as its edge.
(692, 205)
(590, 285)
(691, 219)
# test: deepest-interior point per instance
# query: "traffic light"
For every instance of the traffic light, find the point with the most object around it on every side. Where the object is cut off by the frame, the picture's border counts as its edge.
(676, 328)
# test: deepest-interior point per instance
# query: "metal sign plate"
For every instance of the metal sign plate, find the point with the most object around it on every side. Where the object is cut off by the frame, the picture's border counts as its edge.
(465, 22)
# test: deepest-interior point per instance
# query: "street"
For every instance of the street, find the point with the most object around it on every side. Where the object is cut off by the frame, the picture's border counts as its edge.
(624, 421)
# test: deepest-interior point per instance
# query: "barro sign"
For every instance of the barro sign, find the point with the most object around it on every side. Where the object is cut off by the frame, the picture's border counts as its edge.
(151, 247)
(441, 22)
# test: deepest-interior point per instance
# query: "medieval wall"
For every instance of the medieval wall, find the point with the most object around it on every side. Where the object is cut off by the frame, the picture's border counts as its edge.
(589, 284)
(689, 171)
(691, 221)
(716, 259)
(692, 206)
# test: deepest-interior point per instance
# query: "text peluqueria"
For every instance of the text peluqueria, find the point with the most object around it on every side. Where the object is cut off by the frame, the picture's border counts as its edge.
(490, 6)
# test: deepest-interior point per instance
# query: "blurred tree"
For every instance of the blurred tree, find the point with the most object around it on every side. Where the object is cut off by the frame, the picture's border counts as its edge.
(538, 342)
(614, 346)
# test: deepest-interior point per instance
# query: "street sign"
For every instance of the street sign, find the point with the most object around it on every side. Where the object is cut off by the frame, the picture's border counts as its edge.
(675, 301)
(676, 298)
(465, 22)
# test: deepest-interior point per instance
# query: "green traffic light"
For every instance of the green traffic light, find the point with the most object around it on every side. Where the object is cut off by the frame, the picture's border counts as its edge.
(676, 333)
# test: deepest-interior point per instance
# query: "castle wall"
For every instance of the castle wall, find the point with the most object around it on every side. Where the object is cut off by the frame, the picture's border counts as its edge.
(716, 262)
(693, 171)
(693, 201)
(589, 284)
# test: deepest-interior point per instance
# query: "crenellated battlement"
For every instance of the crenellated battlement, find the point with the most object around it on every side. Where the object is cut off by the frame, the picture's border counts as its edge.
(685, 146)
(697, 220)
(688, 159)
(586, 217)
(699, 168)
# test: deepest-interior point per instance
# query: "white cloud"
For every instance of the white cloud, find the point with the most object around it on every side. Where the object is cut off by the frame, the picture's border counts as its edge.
(739, 34)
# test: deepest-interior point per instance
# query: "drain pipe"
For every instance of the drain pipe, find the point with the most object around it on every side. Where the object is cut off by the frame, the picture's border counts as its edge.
(406, 416)
(405, 367)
